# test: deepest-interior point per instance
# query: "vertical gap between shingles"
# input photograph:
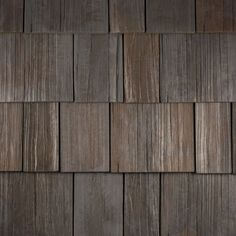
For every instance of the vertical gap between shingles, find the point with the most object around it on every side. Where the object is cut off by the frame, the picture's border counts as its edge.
(73, 66)
(195, 16)
(23, 134)
(109, 137)
(194, 138)
(145, 16)
(59, 136)
(108, 15)
(159, 66)
(73, 204)
(23, 26)
(123, 224)
(232, 141)
(123, 66)
(160, 185)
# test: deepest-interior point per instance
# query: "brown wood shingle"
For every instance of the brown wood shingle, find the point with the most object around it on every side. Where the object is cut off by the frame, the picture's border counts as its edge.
(11, 118)
(98, 204)
(213, 138)
(98, 68)
(152, 137)
(84, 136)
(141, 204)
(41, 137)
(141, 68)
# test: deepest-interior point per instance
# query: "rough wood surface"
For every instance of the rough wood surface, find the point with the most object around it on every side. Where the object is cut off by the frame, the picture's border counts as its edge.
(54, 202)
(43, 15)
(11, 15)
(127, 16)
(41, 137)
(152, 137)
(98, 204)
(11, 117)
(141, 68)
(215, 15)
(85, 16)
(198, 205)
(213, 138)
(198, 67)
(84, 136)
(36, 67)
(141, 214)
(98, 68)
(170, 16)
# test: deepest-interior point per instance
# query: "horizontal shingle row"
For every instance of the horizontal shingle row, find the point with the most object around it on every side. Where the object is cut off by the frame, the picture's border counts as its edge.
(75, 137)
(110, 204)
(135, 68)
(101, 16)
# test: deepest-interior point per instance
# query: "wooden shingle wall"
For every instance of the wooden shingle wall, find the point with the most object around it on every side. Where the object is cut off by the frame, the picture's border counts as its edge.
(117, 117)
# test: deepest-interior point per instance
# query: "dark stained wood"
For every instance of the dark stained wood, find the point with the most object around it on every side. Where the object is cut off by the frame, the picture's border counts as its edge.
(36, 67)
(11, 15)
(85, 16)
(198, 205)
(177, 68)
(84, 131)
(41, 137)
(170, 16)
(17, 204)
(152, 137)
(98, 204)
(127, 16)
(98, 68)
(142, 204)
(213, 138)
(11, 116)
(141, 68)
(215, 15)
(36, 204)
(54, 202)
(42, 15)
(198, 67)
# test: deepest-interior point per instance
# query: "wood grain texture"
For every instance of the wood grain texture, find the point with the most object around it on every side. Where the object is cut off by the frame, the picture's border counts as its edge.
(35, 204)
(152, 137)
(11, 15)
(127, 16)
(43, 15)
(168, 16)
(11, 118)
(98, 68)
(198, 67)
(198, 205)
(85, 16)
(141, 68)
(216, 15)
(98, 204)
(54, 202)
(142, 204)
(41, 137)
(84, 137)
(36, 67)
(213, 138)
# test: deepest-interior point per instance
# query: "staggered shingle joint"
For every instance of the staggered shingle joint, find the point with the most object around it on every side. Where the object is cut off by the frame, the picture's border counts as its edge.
(117, 117)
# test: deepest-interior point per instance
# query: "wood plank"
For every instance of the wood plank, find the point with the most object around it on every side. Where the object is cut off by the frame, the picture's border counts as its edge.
(170, 16)
(42, 15)
(54, 197)
(98, 68)
(127, 16)
(98, 204)
(11, 15)
(198, 67)
(11, 117)
(215, 16)
(36, 67)
(152, 137)
(41, 137)
(213, 138)
(198, 204)
(17, 204)
(84, 137)
(177, 68)
(85, 16)
(142, 204)
(141, 68)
